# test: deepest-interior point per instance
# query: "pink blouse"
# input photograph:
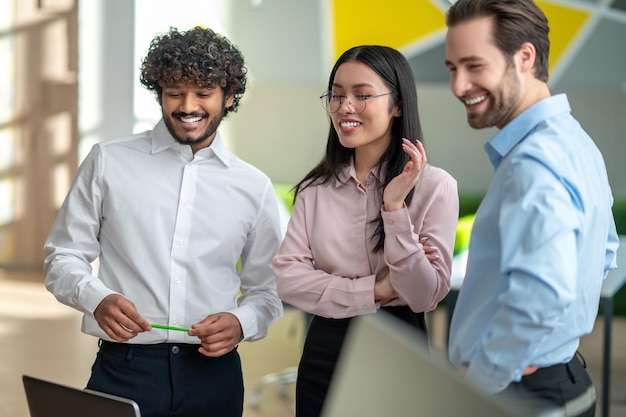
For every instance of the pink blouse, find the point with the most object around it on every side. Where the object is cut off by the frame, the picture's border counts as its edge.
(325, 265)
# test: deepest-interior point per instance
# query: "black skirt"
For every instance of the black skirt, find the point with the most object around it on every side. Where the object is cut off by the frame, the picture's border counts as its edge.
(322, 347)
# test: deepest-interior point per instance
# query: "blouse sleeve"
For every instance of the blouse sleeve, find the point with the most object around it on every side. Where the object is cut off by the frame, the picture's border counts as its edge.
(308, 288)
(433, 213)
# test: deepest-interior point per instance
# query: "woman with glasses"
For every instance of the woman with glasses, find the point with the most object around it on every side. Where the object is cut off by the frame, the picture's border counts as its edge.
(373, 224)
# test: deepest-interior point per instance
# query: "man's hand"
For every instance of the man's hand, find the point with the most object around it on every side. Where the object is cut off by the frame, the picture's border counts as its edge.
(531, 369)
(219, 334)
(119, 318)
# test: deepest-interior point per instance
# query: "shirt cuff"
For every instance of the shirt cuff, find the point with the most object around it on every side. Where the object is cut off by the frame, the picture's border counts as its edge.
(397, 221)
(488, 383)
(248, 323)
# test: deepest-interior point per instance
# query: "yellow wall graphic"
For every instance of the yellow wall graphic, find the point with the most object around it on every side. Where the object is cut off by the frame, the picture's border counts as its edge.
(393, 23)
(399, 23)
(565, 23)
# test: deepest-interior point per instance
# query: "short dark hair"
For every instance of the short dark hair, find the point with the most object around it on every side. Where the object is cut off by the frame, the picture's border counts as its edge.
(514, 22)
(198, 56)
(394, 69)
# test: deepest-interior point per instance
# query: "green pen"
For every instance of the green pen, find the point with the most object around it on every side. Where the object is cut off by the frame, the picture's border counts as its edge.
(162, 326)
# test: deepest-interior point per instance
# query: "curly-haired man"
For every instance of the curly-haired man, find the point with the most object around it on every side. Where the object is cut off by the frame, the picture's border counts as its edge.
(184, 232)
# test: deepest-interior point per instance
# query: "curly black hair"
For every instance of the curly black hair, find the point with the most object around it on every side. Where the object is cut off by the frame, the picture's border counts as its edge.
(198, 56)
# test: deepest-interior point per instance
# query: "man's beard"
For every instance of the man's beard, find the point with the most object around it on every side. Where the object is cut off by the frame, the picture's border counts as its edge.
(502, 103)
(210, 130)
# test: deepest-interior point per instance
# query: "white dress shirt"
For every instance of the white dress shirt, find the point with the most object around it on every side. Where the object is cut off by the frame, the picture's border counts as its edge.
(168, 228)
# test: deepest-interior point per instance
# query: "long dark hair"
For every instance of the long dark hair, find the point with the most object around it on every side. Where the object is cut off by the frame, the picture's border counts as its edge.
(395, 71)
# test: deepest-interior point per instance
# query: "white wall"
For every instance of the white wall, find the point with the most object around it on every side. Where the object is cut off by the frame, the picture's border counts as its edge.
(602, 114)
(105, 83)
(283, 130)
(280, 129)
(280, 126)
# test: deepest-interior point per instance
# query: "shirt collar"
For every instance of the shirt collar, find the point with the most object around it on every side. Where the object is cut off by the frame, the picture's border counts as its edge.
(349, 171)
(518, 129)
(163, 140)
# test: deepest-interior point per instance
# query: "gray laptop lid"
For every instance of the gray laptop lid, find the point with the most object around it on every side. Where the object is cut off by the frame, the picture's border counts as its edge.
(385, 369)
(49, 399)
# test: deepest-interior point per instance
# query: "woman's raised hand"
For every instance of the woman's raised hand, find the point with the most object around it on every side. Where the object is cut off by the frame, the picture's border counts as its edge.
(399, 187)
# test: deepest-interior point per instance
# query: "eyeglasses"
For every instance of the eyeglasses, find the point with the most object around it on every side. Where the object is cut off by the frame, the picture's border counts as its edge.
(355, 101)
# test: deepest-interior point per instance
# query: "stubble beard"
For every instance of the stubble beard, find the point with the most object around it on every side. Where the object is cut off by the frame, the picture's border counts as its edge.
(502, 103)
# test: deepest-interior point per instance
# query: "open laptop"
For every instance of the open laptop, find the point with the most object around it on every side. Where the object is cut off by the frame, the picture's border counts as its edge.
(49, 399)
(386, 369)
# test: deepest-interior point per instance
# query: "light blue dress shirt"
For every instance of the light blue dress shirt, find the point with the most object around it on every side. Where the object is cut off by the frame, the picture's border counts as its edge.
(543, 240)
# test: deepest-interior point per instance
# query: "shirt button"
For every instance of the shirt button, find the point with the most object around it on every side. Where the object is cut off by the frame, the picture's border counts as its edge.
(175, 349)
(366, 308)
(389, 221)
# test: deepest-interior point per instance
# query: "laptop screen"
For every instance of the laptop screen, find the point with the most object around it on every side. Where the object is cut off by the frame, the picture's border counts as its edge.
(385, 369)
(49, 399)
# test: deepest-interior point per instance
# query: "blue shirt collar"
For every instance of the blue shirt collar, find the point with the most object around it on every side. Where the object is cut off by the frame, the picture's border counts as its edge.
(518, 129)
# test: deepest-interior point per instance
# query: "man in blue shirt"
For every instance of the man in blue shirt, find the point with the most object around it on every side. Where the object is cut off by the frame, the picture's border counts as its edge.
(544, 236)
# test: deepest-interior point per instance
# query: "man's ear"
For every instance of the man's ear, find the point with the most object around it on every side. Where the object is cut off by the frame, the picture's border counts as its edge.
(527, 55)
(230, 99)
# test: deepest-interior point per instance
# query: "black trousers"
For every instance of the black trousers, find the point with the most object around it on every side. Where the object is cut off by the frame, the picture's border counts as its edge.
(565, 389)
(322, 347)
(170, 379)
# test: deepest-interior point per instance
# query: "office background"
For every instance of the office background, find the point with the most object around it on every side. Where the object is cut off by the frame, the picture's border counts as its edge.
(69, 78)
